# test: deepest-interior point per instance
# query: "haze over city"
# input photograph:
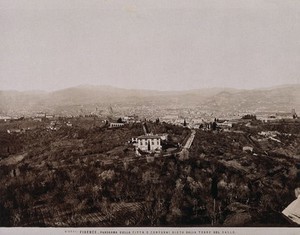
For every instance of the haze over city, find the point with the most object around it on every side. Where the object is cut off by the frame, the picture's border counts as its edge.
(160, 45)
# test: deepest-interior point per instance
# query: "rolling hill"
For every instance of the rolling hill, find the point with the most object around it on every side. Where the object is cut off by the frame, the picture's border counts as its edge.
(219, 99)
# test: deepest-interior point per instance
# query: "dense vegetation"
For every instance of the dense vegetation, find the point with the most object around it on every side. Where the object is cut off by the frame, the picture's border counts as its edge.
(88, 175)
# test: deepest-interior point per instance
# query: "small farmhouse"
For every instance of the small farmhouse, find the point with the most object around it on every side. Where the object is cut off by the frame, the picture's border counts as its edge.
(248, 149)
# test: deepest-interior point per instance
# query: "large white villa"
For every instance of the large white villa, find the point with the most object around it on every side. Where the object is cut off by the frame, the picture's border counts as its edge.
(148, 143)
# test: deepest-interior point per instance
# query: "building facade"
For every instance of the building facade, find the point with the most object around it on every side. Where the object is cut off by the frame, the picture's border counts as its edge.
(149, 143)
(115, 125)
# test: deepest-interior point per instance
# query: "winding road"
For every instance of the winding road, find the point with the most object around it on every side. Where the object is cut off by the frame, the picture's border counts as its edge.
(190, 140)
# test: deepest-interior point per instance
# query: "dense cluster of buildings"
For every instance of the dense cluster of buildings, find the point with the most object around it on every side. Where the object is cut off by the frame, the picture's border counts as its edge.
(192, 120)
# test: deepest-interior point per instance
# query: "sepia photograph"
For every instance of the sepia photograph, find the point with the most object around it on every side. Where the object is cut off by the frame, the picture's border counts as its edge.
(149, 117)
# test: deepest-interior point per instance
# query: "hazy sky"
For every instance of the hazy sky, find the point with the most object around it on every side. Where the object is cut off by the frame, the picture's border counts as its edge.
(151, 44)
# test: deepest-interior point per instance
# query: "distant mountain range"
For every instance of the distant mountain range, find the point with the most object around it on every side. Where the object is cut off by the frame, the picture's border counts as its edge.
(282, 98)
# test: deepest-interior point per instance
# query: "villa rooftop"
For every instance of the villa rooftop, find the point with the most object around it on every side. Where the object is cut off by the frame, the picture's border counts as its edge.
(149, 137)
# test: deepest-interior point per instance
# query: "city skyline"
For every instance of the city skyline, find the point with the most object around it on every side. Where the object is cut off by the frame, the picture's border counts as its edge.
(170, 45)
